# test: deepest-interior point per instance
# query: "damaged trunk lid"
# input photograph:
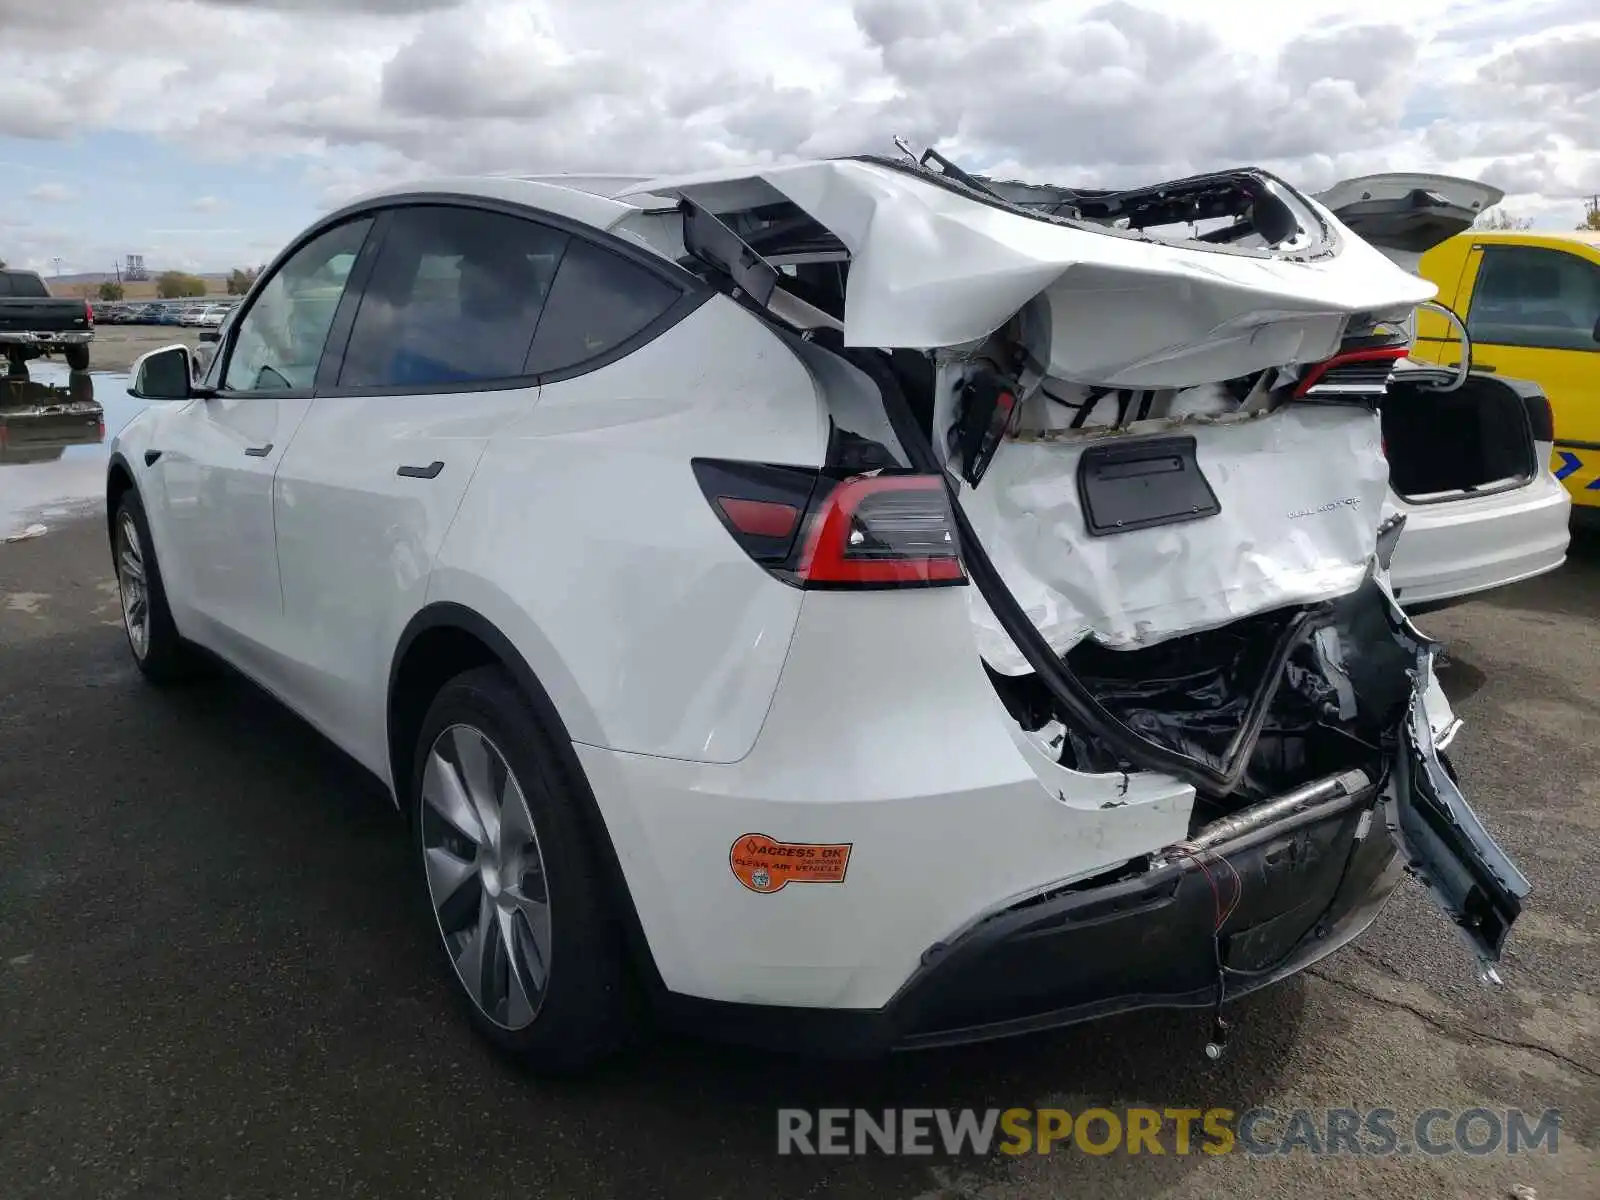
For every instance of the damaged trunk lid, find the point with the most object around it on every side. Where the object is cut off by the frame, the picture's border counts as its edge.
(1164, 459)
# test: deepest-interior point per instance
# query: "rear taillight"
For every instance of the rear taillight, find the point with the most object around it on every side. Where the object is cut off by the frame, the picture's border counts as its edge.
(1351, 374)
(880, 530)
(88, 311)
(1540, 417)
(813, 530)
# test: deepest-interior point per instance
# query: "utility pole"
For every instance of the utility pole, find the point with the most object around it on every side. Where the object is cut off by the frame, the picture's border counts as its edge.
(57, 261)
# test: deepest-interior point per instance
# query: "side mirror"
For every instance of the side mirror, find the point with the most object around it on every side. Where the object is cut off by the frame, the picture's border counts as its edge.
(210, 335)
(164, 374)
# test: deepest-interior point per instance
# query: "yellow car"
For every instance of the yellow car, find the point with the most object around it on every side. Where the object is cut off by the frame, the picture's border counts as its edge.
(1531, 303)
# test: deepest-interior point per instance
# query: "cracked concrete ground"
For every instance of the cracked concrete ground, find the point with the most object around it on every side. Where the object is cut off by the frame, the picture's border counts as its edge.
(214, 982)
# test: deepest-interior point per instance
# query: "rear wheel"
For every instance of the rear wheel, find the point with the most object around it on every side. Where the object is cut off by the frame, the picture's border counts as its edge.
(512, 882)
(77, 358)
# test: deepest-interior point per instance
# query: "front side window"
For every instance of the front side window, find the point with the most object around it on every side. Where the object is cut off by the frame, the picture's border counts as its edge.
(1547, 299)
(454, 297)
(280, 339)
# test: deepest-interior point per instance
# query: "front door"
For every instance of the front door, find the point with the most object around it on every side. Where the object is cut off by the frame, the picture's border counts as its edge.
(1533, 312)
(217, 462)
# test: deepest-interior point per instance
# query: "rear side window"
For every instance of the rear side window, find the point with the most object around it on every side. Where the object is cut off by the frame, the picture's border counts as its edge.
(1547, 299)
(20, 284)
(454, 297)
(599, 300)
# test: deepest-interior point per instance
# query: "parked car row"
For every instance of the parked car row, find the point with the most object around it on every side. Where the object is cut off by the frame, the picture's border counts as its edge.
(166, 312)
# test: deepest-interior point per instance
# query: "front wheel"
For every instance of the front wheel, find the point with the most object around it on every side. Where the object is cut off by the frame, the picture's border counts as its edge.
(77, 357)
(512, 882)
(161, 654)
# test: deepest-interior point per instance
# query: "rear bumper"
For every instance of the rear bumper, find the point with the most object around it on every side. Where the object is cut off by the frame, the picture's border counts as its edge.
(44, 341)
(1460, 547)
(1577, 465)
(1308, 886)
(988, 889)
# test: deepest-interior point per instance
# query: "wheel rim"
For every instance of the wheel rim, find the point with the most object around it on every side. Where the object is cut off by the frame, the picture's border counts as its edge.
(486, 876)
(134, 586)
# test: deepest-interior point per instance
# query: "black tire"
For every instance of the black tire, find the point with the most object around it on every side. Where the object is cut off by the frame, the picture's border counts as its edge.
(166, 658)
(585, 1012)
(77, 357)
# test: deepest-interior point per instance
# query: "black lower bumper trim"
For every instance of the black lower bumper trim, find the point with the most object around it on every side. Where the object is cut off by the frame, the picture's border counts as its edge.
(1306, 886)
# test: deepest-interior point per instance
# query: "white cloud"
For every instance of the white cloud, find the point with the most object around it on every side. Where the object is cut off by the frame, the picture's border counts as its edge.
(206, 204)
(1088, 92)
(51, 192)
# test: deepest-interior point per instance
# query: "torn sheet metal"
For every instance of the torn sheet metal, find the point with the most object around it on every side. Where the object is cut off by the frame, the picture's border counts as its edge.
(932, 266)
(1300, 492)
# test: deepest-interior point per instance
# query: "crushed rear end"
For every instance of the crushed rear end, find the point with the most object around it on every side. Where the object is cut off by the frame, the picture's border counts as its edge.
(1161, 463)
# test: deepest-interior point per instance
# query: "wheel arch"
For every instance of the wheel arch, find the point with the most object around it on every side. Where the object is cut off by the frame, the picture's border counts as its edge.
(441, 641)
(119, 482)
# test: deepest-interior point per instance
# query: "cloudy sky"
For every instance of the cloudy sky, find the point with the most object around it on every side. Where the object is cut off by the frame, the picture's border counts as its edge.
(203, 133)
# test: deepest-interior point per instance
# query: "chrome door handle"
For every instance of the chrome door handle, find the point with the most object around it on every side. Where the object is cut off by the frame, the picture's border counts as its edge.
(259, 451)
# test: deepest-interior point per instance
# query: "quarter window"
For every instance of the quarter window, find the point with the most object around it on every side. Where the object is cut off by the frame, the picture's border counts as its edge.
(1547, 299)
(599, 300)
(454, 297)
(280, 339)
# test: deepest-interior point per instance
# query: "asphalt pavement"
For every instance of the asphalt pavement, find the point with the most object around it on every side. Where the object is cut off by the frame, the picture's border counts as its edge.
(216, 981)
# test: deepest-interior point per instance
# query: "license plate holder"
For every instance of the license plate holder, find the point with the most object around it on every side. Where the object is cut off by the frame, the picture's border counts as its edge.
(1143, 484)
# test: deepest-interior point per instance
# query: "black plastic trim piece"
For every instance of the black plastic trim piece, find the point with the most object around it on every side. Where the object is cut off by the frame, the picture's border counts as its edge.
(259, 451)
(1143, 483)
(431, 471)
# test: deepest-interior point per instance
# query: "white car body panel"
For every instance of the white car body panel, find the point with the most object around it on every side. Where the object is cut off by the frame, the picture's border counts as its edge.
(653, 631)
(1465, 546)
(220, 558)
(920, 772)
(357, 542)
(931, 267)
(1301, 492)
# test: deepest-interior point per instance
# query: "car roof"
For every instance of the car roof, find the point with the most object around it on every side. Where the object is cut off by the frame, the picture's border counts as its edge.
(1552, 238)
(561, 195)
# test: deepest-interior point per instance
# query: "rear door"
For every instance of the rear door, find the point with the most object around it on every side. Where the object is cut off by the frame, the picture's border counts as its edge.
(433, 366)
(1533, 312)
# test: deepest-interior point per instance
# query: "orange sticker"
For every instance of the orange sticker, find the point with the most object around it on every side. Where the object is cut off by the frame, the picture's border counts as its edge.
(764, 865)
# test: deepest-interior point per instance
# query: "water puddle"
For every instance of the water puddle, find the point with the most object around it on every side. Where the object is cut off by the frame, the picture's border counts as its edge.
(55, 432)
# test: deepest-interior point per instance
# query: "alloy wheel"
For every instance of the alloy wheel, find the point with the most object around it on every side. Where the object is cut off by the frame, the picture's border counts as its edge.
(486, 876)
(133, 586)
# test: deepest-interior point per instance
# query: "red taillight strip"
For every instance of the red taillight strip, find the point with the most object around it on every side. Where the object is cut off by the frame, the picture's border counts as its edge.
(825, 558)
(1391, 353)
(760, 518)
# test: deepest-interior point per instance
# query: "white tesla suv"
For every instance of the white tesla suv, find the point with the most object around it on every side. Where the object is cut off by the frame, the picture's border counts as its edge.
(825, 604)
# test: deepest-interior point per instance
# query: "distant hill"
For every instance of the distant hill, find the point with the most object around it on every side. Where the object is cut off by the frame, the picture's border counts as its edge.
(87, 284)
(98, 277)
